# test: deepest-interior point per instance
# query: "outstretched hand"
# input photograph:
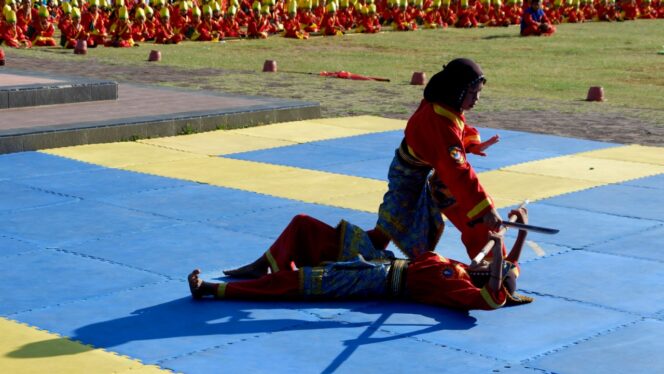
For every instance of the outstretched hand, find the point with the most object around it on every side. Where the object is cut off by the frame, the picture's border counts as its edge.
(479, 148)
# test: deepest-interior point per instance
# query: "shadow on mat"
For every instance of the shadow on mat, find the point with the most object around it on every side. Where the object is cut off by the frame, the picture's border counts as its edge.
(188, 318)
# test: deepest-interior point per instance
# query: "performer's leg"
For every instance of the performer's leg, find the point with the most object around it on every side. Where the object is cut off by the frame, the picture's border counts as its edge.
(306, 241)
(285, 284)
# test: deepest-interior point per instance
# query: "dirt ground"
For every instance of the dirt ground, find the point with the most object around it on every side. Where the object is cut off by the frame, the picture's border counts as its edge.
(624, 127)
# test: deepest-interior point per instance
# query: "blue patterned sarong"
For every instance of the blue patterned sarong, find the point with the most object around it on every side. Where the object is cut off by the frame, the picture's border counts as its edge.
(408, 214)
(348, 279)
(361, 269)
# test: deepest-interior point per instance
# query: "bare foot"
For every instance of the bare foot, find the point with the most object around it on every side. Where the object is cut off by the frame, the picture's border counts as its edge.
(195, 284)
(254, 270)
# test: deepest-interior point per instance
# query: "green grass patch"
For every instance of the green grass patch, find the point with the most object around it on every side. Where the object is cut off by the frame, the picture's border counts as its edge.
(523, 73)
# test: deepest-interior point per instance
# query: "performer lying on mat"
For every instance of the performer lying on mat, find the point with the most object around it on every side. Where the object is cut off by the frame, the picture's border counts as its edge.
(312, 260)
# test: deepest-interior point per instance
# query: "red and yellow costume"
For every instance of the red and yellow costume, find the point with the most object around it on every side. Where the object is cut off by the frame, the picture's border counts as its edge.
(369, 22)
(75, 30)
(25, 17)
(120, 31)
(11, 35)
(43, 29)
(311, 259)
(94, 22)
(466, 16)
(164, 33)
(330, 25)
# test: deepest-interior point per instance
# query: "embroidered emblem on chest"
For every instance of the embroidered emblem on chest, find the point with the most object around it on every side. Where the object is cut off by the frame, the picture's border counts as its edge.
(448, 272)
(457, 155)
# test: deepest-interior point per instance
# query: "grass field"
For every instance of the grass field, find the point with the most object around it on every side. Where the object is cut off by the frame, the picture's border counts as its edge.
(523, 73)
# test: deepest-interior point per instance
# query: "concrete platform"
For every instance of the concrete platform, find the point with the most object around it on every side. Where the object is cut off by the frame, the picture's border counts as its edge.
(139, 112)
(18, 89)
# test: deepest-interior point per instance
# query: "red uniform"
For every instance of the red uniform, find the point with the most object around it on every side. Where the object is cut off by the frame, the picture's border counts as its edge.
(310, 21)
(306, 244)
(12, 36)
(120, 35)
(330, 25)
(230, 27)
(94, 23)
(43, 34)
(73, 33)
(438, 136)
(140, 31)
(466, 17)
(164, 34)
(292, 29)
(25, 17)
(258, 28)
(369, 24)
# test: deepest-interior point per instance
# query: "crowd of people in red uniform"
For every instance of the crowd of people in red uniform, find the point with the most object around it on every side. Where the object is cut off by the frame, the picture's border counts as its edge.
(124, 23)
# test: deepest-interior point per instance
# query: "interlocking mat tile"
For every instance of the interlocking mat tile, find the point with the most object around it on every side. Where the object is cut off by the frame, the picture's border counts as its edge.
(96, 242)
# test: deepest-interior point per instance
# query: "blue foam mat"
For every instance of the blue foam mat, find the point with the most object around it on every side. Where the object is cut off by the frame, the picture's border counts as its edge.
(131, 248)
(326, 156)
(532, 329)
(609, 281)
(559, 145)
(12, 246)
(646, 245)
(344, 349)
(177, 250)
(23, 197)
(635, 348)
(160, 321)
(270, 223)
(48, 278)
(76, 222)
(90, 184)
(620, 200)
(656, 181)
(581, 228)
(199, 203)
(15, 166)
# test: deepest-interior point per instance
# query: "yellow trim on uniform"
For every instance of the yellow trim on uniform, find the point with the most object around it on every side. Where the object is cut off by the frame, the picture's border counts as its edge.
(449, 115)
(414, 155)
(486, 295)
(272, 261)
(478, 208)
(472, 138)
(221, 290)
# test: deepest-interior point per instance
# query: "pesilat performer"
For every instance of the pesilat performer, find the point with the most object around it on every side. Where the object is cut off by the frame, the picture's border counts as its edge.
(312, 260)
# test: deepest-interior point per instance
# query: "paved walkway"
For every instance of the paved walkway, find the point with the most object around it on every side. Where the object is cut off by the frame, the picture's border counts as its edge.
(97, 241)
(139, 112)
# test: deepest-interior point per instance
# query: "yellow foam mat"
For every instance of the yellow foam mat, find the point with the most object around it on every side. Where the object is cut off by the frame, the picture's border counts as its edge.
(588, 168)
(367, 123)
(508, 187)
(120, 155)
(316, 130)
(224, 142)
(217, 143)
(310, 186)
(185, 157)
(632, 153)
(25, 349)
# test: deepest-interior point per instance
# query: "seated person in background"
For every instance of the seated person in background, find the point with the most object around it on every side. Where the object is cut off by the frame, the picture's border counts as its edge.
(312, 260)
(43, 29)
(120, 35)
(535, 22)
(10, 34)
